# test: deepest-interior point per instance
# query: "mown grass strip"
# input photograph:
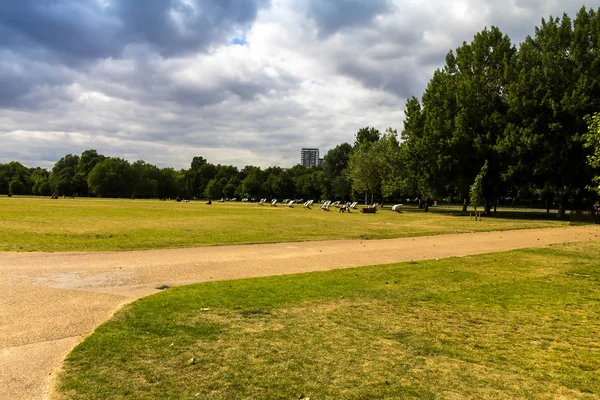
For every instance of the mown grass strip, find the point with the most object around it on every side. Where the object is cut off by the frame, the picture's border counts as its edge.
(520, 324)
(40, 224)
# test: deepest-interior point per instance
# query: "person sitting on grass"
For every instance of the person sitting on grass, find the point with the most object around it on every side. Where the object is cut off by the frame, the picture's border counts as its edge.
(209, 202)
(345, 208)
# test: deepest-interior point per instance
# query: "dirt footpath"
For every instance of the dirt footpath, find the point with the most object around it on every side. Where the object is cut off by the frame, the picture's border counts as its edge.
(50, 301)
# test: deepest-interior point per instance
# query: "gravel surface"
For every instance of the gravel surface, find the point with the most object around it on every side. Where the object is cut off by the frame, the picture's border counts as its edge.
(50, 301)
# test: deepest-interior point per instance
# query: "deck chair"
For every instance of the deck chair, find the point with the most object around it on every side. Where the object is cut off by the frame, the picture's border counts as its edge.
(397, 208)
(290, 203)
(274, 203)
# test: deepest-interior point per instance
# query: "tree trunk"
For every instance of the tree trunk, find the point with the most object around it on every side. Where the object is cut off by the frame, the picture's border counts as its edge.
(486, 206)
(366, 198)
(561, 208)
(465, 204)
(426, 205)
(548, 205)
(371, 198)
(495, 205)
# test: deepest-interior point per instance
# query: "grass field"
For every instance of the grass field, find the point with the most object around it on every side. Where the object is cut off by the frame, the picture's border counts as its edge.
(518, 325)
(41, 224)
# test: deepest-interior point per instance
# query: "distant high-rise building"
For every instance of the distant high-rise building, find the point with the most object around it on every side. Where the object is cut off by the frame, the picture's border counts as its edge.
(309, 157)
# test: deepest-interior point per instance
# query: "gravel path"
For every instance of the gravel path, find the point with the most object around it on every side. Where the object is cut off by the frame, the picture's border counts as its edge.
(50, 301)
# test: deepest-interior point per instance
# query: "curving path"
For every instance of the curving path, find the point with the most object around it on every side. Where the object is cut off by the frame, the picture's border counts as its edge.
(50, 301)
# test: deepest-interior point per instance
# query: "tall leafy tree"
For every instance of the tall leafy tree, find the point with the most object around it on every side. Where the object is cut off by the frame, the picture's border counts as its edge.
(62, 177)
(39, 181)
(365, 171)
(87, 161)
(481, 72)
(335, 171)
(366, 135)
(593, 142)
(113, 177)
(549, 98)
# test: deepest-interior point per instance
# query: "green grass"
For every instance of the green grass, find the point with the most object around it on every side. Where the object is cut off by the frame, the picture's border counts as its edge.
(517, 325)
(41, 224)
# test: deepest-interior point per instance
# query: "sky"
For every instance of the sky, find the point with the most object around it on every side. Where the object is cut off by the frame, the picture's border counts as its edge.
(241, 82)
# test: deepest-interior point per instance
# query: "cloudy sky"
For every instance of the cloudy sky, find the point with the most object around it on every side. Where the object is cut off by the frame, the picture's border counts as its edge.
(236, 81)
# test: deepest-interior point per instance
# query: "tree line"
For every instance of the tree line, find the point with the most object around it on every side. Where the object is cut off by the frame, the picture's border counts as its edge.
(517, 120)
(93, 174)
(523, 113)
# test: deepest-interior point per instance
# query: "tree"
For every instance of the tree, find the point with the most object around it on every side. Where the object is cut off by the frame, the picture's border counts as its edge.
(366, 135)
(12, 172)
(477, 188)
(199, 174)
(554, 86)
(252, 185)
(461, 119)
(391, 163)
(63, 174)
(364, 170)
(87, 161)
(335, 170)
(592, 139)
(214, 188)
(169, 184)
(480, 69)
(39, 181)
(113, 177)
(146, 178)
(4, 181)
(16, 186)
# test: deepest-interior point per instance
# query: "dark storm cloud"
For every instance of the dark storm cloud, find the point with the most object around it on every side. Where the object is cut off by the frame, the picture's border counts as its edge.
(175, 27)
(89, 29)
(68, 30)
(37, 37)
(333, 16)
(399, 81)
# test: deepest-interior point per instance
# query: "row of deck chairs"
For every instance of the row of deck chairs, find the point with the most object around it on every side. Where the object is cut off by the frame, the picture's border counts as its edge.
(287, 202)
(325, 206)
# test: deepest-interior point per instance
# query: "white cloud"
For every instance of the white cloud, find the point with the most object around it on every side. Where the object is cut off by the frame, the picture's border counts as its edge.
(301, 78)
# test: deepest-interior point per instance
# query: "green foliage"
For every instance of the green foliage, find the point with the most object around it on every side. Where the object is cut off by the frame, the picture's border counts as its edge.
(335, 170)
(62, 177)
(521, 110)
(476, 193)
(364, 167)
(593, 142)
(16, 186)
(554, 85)
(214, 189)
(113, 177)
(366, 135)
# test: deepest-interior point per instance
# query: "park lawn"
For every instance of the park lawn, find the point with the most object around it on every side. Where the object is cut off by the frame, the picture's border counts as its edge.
(523, 324)
(84, 224)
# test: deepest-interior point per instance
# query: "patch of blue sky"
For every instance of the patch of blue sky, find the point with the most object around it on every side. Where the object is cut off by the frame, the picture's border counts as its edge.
(239, 41)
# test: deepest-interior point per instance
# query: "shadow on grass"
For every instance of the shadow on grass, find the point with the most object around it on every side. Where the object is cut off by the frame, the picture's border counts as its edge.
(500, 214)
